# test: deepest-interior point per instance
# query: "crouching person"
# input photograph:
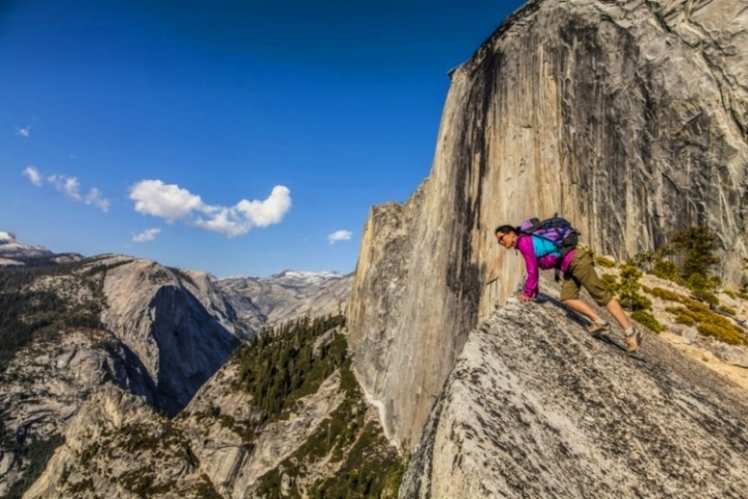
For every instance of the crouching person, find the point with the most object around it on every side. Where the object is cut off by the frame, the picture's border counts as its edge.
(577, 267)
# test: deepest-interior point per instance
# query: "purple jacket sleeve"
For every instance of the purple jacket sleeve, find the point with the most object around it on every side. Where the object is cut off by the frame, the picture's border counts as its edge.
(524, 245)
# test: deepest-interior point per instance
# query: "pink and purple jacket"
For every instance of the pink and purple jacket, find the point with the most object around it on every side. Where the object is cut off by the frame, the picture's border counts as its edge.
(530, 247)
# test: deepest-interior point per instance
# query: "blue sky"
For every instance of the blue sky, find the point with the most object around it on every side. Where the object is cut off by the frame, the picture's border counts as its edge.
(184, 116)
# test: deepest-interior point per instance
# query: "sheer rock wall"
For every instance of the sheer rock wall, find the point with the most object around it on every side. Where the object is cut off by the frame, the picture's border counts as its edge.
(628, 117)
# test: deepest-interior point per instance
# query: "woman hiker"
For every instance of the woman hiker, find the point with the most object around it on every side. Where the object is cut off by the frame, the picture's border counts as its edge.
(578, 270)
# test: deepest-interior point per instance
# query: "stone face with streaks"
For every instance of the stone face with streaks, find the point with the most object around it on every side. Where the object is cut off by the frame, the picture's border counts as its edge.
(630, 118)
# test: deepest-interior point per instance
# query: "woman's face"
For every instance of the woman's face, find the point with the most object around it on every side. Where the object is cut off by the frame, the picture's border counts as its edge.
(506, 239)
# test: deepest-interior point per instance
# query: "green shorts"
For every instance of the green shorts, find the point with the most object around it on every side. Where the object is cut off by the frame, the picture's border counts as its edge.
(582, 273)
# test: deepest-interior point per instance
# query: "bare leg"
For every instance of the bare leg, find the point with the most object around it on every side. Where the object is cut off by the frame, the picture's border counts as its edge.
(616, 311)
(584, 309)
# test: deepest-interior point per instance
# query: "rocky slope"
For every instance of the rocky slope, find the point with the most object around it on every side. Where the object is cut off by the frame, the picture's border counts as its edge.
(535, 407)
(630, 118)
(284, 418)
(270, 301)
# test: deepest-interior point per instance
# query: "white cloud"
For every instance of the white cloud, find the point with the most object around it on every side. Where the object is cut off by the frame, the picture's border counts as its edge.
(171, 202)
(95, 198)
(31, 173)
(339, 235)
(66, 185)
(70, 186)
(24, 132)
(146, 235)
(270, 211)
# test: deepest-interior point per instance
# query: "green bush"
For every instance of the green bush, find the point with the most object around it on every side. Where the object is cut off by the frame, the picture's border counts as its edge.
(647, 320)
(709, 323)
(727, 310)
(694, 248)
(602, 261)
(697, 246)
(628, 289)
(666, 294)
(665, 269)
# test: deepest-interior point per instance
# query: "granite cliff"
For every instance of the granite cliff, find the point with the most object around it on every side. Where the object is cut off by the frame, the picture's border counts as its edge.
(630, 118)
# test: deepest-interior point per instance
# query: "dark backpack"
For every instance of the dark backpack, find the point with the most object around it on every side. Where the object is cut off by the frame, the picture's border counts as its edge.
(556, 229)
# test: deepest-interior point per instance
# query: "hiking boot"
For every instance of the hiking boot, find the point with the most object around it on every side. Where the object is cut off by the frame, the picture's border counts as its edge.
(633, 338)
(598, 328)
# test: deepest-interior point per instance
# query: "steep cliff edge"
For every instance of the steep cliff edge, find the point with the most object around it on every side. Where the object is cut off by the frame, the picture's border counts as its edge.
(535, 407)
(629, 117)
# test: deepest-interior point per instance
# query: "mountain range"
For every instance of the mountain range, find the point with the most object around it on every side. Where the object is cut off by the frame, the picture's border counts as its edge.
(421, 375)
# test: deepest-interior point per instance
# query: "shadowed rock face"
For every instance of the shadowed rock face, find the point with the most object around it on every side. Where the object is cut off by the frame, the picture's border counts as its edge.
(629, 118)
(176, 322)
(536, 408)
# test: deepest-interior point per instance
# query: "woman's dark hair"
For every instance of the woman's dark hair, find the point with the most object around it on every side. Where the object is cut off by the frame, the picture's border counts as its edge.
(505, 229)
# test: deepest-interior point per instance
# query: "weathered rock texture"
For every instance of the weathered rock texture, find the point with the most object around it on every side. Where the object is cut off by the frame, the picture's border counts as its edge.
(535, 407)
(628, 117)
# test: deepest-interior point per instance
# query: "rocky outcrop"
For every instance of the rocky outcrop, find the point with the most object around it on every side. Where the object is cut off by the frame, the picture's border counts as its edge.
(535, 407)
(176, 322)
(630, 118)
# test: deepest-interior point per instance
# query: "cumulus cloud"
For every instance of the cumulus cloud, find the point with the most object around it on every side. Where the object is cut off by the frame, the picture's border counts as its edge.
(146, 235)
(269, 211)
(172, 203)
(24, 132)
(31, 173)
(169, 201)
(339, 235)
(70, 186)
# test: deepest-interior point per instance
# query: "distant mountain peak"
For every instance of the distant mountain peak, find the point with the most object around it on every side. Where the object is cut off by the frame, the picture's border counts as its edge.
(304, 274)
(12, 248)
(7, 236)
